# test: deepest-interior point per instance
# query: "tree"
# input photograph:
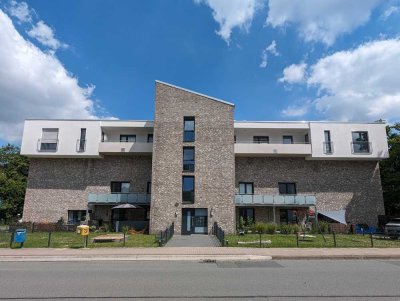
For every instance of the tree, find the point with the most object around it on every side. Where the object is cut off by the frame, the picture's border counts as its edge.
(390, 171)
(13, 178)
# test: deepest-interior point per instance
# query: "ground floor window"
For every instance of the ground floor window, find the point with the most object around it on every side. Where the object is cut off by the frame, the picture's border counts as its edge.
(288, 216)
(75, 216)
(247, 214)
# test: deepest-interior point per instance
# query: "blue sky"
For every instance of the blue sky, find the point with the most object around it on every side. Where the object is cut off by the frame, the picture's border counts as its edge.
(275, 59)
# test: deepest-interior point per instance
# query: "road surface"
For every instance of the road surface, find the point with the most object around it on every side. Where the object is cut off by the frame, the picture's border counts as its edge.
(268, 280)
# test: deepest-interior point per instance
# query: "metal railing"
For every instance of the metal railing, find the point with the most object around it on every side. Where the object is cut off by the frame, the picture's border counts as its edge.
(47, 145)
(219, 233)
(166, 235)
(269, 142)
(328, 147)
(275, 199)
(80, 145)
(115, 198)
(361, 147)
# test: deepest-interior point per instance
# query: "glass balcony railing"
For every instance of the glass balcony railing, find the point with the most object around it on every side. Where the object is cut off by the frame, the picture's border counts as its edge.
(47, 145)
(328, 147)
(274, 200)
(115, 198)
(361, 147)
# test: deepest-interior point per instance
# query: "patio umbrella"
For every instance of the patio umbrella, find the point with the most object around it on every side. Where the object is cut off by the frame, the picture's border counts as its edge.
(126, 206)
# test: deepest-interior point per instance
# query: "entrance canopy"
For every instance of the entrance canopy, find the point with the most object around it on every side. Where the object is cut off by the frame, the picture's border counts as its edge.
(338, 216)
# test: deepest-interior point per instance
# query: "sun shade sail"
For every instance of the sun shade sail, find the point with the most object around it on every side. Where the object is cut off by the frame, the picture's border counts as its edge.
(338, 216)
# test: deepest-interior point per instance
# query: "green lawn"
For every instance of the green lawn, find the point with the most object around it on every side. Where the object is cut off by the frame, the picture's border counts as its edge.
(289, 241)
(73, 240)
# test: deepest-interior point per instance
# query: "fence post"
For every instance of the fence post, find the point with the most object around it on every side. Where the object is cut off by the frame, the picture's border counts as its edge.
(124, 239)
(260, 238)
(372, 241)
(297, 239)
(334, 239)
(12, 238)
(49, 240)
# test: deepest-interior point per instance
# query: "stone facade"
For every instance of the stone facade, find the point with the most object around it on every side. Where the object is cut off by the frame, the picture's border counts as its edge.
(214, 158)
(351, 185)
(58, 185)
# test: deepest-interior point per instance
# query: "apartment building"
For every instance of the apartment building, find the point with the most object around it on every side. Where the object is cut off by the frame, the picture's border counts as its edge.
(194, 165)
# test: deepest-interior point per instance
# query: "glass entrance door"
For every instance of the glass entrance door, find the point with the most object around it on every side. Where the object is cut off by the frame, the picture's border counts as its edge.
(194, 221)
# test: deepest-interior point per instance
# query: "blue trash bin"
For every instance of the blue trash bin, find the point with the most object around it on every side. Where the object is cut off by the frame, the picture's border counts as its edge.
(20, 236)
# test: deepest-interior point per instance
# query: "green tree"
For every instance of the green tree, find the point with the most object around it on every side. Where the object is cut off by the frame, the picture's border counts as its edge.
(13, 178)
(390, 171)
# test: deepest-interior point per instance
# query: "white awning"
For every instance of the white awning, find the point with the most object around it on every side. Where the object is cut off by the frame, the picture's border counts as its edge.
(338, 216)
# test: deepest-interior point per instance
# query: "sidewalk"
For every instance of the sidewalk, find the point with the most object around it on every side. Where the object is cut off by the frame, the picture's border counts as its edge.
(194, 254)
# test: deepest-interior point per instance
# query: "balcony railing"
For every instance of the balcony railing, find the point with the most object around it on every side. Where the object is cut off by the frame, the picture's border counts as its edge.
(118, 146)
(328, 147)
(80, 145)
(116, 198)
(361, 147)
(47, 145)
(273, 147)
(274, 200)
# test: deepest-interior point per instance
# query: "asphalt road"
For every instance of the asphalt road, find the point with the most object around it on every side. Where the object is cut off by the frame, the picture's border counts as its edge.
(269, 280)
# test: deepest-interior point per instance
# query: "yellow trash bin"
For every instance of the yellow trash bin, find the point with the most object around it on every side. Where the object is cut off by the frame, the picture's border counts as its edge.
(83, 230)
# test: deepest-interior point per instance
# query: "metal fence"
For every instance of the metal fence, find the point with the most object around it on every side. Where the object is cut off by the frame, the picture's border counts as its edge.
(166, 235)
(219, 233)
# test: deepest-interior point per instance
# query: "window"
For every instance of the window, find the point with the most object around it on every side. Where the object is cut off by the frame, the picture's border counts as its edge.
(49, 141)
(246, 188)
(247, 214)
(188, 189)
(288, 216)
(188, 129)
(287, 139)
(149, 138)
(76, 216)
(148, 188)
(82, 141)
(327, 144)
(360, 142)
(287, 188)
(120, 187)
(127, 138)
(234, 139)
(261, 139)
(188, 158)
(306, 138)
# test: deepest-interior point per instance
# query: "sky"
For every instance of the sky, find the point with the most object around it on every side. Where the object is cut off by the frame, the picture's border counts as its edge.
(274, 59)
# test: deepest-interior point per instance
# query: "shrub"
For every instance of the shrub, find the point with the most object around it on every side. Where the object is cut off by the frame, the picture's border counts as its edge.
(271, 228)
(294, 228)
(284, 229)
(259, 228)
(125, 229)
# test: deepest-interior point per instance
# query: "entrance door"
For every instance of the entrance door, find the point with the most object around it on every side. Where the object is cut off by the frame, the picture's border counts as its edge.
(194, 221)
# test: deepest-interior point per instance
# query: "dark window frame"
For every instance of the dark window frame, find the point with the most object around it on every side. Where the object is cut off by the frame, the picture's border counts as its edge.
(148, 188)
(82, 140)
(126, 138)
(120, 186)
(328, 149)
(243, 213)
(287, 137)
(261, 139)
(188, 196)
(150, 138)
(245, 188)
(280, 185)
(188, 165)
(189, 135)
(359, 145)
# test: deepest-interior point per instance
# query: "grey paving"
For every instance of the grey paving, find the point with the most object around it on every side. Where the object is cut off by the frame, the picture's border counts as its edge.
(194, 240)
(284, 280)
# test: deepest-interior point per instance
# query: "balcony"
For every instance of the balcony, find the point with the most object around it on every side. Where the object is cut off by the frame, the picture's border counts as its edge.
(255, 148)
(115, 147)
(116, 198)
(274, 200)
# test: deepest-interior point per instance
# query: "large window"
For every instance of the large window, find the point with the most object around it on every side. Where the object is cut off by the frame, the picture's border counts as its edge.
(188, 189)
(246, 188)
(120, 187)
(76, 216)
(247, 214)
(82, 141)
(188, 158)
(49, 141)
(261, 139)
(287, 188)
(188, 129)
(127, 138)
(360, 142)
(287, 140)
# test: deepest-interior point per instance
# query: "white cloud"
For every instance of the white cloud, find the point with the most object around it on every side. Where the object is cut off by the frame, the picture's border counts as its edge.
(296, 110)
(45, 35)
(293, 73)
(21, 11)
(271, 48)
(360, 84)
(35, 84)
(392, 10)
(232, 13)
(320, 21)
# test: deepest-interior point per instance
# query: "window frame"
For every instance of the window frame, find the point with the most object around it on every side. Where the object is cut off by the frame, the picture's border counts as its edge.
(148, 188)
(192, 165)
(150, 140)
(286, 137)
(286, 188)
(189, 135)
(245, 188)
(127, 136)
(363, 146)
(49, 146)
(261, 139)
(188, 196)
(120, 186)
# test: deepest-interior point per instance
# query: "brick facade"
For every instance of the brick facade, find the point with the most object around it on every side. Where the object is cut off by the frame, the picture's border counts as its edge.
(214, 156)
